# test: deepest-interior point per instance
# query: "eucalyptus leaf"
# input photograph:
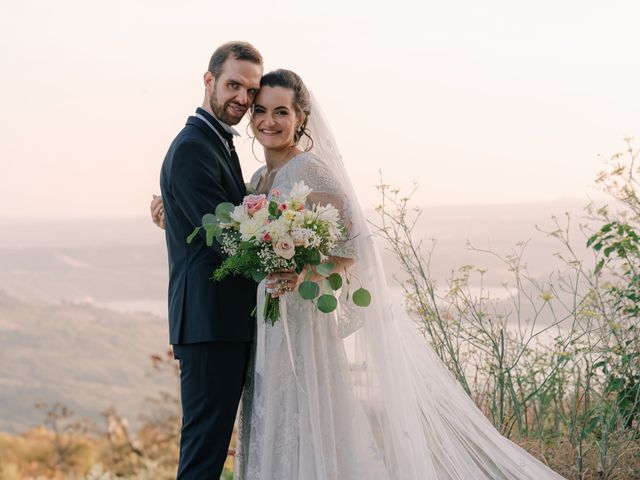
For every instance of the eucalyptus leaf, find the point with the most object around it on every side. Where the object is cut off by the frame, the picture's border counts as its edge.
(258, 276)
(325, 269)
(327, 303)
(209, 219)
(213, 231)
(335, 281)
(193, 235)
(314, 257)
(362, 297)
(223, 211)
(309, 290)
(210, 236)
(224, 208)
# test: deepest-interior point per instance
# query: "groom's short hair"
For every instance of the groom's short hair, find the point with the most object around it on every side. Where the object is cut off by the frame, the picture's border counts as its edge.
(239, 50)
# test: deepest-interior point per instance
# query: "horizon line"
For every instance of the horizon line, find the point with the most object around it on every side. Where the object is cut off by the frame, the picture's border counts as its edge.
(84, 218)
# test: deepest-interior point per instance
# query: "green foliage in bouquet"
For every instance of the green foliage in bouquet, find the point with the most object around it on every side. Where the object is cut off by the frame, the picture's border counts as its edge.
(247, 257)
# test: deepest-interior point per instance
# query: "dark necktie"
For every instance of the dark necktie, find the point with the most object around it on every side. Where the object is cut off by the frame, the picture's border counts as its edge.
(235, 161)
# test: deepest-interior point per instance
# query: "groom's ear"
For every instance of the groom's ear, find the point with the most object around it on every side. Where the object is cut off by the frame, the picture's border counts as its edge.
(209, 79)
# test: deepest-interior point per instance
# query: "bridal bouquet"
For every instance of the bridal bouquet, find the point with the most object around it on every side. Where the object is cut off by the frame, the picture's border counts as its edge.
(261, 237)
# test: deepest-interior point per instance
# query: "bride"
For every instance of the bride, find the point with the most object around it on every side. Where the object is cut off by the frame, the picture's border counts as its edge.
(355, 394)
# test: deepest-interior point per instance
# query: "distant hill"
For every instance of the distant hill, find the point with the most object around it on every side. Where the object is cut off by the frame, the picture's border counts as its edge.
(86, 357)
(101, 260)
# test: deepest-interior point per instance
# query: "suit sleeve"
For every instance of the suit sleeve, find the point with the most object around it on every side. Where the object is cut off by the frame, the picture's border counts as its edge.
(196, 183)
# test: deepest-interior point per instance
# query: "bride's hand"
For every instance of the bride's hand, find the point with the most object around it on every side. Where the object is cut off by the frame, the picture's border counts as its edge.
(282, 282)
(157, 211)
(289, 281)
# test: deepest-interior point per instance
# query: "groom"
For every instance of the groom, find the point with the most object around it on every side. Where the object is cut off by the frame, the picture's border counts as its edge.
(210, 323)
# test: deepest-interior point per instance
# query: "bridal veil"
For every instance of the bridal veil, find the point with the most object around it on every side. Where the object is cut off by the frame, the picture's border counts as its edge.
(424, 423)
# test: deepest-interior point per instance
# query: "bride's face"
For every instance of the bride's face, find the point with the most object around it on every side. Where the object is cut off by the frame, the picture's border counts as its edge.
(274, 119)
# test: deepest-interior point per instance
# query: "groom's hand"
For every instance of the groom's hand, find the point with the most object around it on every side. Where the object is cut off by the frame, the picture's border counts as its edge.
(157, 211)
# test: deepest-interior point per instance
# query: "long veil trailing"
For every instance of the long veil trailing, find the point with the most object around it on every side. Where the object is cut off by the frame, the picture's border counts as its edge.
(424, 423)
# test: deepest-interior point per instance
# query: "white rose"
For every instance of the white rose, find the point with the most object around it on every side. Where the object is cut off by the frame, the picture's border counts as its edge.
(250, 228)
(239, 214)
(284, 247)
(278, 228)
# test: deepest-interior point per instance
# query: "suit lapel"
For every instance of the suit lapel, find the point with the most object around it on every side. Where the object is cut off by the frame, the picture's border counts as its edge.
(235, 172)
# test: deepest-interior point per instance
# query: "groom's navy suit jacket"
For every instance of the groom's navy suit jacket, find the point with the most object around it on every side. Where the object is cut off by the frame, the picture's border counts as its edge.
(198, 173)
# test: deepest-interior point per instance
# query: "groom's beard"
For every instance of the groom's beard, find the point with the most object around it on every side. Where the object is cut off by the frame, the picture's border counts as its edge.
(221, 113)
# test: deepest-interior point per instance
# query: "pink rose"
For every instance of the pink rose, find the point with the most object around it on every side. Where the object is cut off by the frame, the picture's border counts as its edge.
(275, 192)
(284, 247)
(253, 203)
(282, 206)
(266, 237)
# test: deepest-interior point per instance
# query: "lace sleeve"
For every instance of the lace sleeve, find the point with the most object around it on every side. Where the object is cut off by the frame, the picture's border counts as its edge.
(252, 186)
(326, 189)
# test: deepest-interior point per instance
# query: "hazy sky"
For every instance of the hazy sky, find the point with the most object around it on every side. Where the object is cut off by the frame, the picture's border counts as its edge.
(480, 102)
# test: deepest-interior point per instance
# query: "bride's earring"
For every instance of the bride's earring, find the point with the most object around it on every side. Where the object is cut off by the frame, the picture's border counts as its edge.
(296, 135)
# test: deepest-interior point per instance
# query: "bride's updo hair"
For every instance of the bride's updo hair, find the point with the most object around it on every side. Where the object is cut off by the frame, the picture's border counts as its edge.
(301, 98)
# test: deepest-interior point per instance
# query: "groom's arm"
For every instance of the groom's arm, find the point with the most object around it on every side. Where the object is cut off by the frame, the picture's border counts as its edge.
(196, 184)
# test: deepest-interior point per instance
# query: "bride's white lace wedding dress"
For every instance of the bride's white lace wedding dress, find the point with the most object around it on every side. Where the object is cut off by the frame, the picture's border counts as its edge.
(305, 424)
(358, 394)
